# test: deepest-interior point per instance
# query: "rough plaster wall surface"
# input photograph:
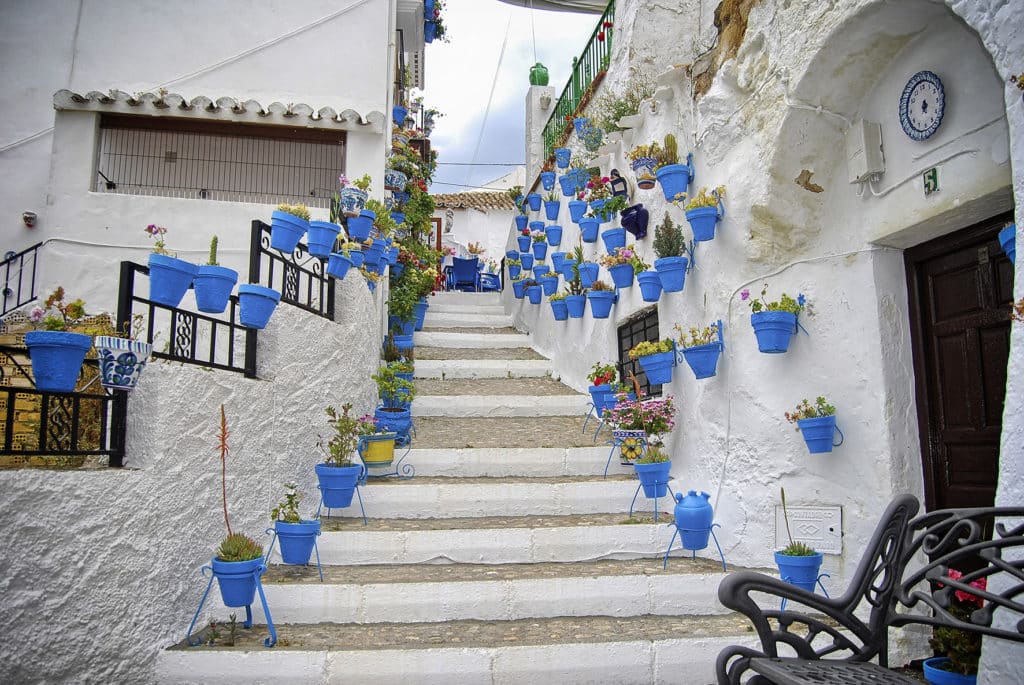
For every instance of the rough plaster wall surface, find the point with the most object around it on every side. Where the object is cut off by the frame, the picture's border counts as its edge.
(101, 568)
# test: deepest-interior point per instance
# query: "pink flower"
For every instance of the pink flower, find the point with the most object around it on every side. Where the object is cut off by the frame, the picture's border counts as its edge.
(605, 179)
(744, 294)
(590, 184)
(343, 180)
(37, 314)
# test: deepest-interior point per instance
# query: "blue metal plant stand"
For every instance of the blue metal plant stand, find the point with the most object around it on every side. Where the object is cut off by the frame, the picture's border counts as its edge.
(257, 572)
(395, 466)
(637, 494)
(679, 531)
(595, 413)
(782, 606)
(316, 547)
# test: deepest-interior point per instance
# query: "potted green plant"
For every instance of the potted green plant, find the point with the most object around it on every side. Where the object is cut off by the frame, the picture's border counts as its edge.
(774, 322)
(656, 359)
(648, 420)
(817, 423)
(57, 353)
(169, 277)
(288, 224)
(396, 395)
(959, 650)
(704, 210)
(700, 349)
(337, 475)
(643, 159)
(798, 563)
(122, 358)
(670, 249)
(559, 308)
(540, 245)
(576, 300)
(622, 263)
(296, 534)
(674, 177)
(213, 283)
(601, 296)
(652, 469)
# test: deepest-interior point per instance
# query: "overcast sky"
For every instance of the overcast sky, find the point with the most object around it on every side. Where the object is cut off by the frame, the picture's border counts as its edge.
(459, 76)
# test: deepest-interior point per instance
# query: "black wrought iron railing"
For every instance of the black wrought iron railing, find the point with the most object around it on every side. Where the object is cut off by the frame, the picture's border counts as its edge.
(299, 277)
(19, 270)
(587, 71)
(185, 336)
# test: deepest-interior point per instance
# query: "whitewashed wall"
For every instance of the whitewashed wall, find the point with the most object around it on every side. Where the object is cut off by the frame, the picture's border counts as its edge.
(769, 114)
(100, 569)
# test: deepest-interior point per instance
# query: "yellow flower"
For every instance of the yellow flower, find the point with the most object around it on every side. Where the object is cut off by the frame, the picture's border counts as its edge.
(632, 449)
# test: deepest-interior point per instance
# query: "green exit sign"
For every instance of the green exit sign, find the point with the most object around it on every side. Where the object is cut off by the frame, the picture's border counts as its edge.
(931, 181)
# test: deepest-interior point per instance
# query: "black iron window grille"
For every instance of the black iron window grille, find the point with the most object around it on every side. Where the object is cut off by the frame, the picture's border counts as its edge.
(643, 326)
(19, 269)
(299, 276)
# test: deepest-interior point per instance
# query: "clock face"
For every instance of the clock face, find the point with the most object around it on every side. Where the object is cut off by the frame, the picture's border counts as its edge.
(922, 105)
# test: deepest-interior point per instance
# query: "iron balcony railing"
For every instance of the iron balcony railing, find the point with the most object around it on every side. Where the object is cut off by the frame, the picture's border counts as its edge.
(299, 277)
(587, 71)
(19, 269)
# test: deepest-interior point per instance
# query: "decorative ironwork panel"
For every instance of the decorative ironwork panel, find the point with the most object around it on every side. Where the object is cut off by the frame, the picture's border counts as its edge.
(298, 276)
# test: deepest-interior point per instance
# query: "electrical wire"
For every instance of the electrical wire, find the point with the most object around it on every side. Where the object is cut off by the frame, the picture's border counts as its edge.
(490, 98)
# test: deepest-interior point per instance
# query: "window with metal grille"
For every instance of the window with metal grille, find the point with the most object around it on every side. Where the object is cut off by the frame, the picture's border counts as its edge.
(643, 326)
(218, 160)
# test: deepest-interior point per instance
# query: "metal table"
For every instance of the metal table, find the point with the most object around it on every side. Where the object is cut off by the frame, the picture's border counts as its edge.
(802, 672)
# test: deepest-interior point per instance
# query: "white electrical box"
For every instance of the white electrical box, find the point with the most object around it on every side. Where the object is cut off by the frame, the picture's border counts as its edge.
(864, 157)
(819, 527)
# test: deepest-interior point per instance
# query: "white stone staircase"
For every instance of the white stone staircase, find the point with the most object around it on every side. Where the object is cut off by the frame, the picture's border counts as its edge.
(499, 562)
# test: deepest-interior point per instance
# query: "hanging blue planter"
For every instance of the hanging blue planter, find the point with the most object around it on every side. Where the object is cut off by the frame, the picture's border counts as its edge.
(650, 285)
(577, 208)
(588, 273)
(674, 179)
(375, 252)
(536, 226)
(337, 484)
(398, 114)
(654, 478)
(551, 209)
(703, 221)
(819, 433)
(547, 180)
(588, 229)
(693, 516)
(799, 571)
(286, 230)
(57, 358)
(518, 289)
(524, 242)
(559, 309)
(521, 220)
(568, 184)
(121, 361)
(554, 235)
(595, 207)
(359, 227)
(576, 305)
(613, 238)
(338, 265)
(533, 294)
(352, 200)
(514, 270)
(356, 256)
(429, 31)
(658, 367)
(1008, 241)
(511, 254)
(703, 359)
(672, 272)
(296, 540)
(256, 304)
(557, 262)
(397, 421)
(398, 217)
(428, 10)
(169, 279)
(237, 580)
(601, 302)
(540, 250)
(526, 259)
(567, 264)
(534, 201)
(321, 237)
(392, 255)
(540, 270)
(213, 286)
(562, 157)
(397, 270)
(549, 284)
(773, 330)
(403, 327)
(420, 310)
(622, 275)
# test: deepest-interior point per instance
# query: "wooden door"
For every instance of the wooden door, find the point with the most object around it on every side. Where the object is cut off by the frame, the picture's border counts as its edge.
(961, 290)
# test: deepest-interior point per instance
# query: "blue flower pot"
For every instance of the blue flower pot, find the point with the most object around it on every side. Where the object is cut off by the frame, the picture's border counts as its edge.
(398, 217)
(703, 359)
(392, 255)
(588, 229)
(549, 284)
(322, 235)
(397, 270)
(567, 265)
(622, 275)
(557, 262)
(256, 304)
(57, 358)
(560, 310)
(296, 540)
(819, 433)
(213, 286)
(554, 235)
(540, 271)
(338, 265)
(672, 272)
(601, 302)
(562, 157)
(169, 279)
(654, 478)
(511, 254)
(514, 270)
(420, 310)
(588, 273)
(693, 516)
(533, 294)
(402, 342)
(547, 180)
(526, 259)
(359, 227)
(524, 242)
(540, 250)
(400, 325)
(374, 253)
(518, 289)
(395, 180)
(398, 114)
(658, 367)
(799, 571)
(596, 206)
(534, 200)
(576, 305)
(429, 31)
(650, 285)
(400, 197)
(397, 421)
(935, 673)
(121, 361)
(286, 230)
(521, 220)
(577, 208)
(537, 226)
(1008, 241)
(674, 179)
(551, 209)
(237, 580)
(568, 184)
(600, 395)
(337, 484)
(613, 238)
(773, 330)
(356, 256)
(703, 221)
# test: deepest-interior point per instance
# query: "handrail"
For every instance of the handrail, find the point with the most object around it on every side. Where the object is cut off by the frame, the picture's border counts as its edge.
(16, 261)
(587, 71)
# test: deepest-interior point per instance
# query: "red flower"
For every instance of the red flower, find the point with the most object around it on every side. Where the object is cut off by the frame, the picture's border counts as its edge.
(568, 117)
(607, 25)
(600, 36)
(526, 231)
(964, 596)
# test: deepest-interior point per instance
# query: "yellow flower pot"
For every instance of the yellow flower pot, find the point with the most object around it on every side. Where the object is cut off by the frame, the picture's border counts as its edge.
(378, 450)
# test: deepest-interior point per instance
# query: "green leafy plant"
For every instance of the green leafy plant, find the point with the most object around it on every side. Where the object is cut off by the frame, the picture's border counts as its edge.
(646, 348)
(652, 151)
(702, 199)
(342, 444)
(654, 455)
(556, 297)
(668, 239)
(288, 509)
(538, 236)
(66, 314)
(601, 374)
(553, 196)
(391, 387)
(236, 546)
(794, 549)
(961, 646)
(608, 109)
(696, 336)
(784, 304)
(299, 210)
(806, 410)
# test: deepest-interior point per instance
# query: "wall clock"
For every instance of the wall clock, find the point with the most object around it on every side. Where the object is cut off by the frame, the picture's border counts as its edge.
(922, 105)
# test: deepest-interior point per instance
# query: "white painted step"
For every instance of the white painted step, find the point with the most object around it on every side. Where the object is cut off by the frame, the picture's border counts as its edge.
(524, 462)
(474, 406)
(471, 340)
(466, 320)
(689, 660)
(466, 299)
(422, 498)
(492, 310)
(482, 368)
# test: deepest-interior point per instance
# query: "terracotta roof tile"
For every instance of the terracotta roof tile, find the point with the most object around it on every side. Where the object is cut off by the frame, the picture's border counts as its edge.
(482, 200)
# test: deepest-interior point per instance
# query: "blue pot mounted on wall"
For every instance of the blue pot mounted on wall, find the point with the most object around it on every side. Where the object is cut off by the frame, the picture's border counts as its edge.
(534, 201)
(429, 31)
(1008, 241)
(57, 358)
(169, 279)
(554, 235)
(576, 305)
(359, 227)
(672, 272)
(588, 273)
(577, 208)
(524, 242)
(650, 285)
(703, 359)
(551, 209)
(588, 229)
(819, 433)
(658, 367)
(540, 250)
(601, 302)
(622, 275)
(338, 265)
(533, 294)
(398, 114)
(526, 259)
(256, 304)
(549, 284)
(213, 286)
(286, 230)
(322, 235)
(547, 180)
(521, 220)
(674, 179)
(568, 184)
(613, 238)
(634, 219)
(562, 157)
(514, 270)
(560, 310)
(773, 330)
(703, 221)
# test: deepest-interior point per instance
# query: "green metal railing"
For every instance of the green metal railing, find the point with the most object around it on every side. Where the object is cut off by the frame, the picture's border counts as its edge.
(587, 70)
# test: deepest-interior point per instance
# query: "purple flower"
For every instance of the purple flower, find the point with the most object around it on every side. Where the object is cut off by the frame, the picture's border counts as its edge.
(744, 294)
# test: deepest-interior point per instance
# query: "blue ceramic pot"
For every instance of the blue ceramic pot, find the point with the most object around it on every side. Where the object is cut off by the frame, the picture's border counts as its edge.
(703, 221)
(420, 310)
(337, 484)
(359, 227)
(237, 580)
(650, 285)
(588, 229)
(1008, 241)
(654, 478)
(562, 157)
(622, 275)
(540, 250)
(534, 201)
(634, 219)
(576, 305)
(213, 286)
(352, 200)
(514, 270)
(819, 433)
(577, 208)
(557, 262)
(601, 302)
(169, 279)
(57, 358)
(256, 304)
(554, 235)
(518, 288)
(613, 238)
(658, 367)
(773, 330)
(703, 359)
(322, 235)
(533, 294)
(551, 209)
(121, 361)
(672, 272)
(338, 265)
(588, 273)
(693, 517)
(674, 179)
(799, 571)
(398, 114)
(286, 230)
(524, 242)
(547, 179)
(521, 220)
(429, 31)
(560, 310)
(935, 673)
(568, 184)
(296, 540)
(526, 259)
(549, 284)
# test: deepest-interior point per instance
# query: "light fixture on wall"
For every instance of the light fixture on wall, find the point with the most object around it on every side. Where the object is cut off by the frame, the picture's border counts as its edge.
(29, 218)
